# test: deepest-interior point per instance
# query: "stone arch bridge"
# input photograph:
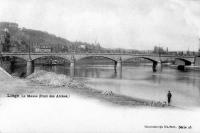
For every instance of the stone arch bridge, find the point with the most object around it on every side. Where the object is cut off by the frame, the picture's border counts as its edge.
(156, 59)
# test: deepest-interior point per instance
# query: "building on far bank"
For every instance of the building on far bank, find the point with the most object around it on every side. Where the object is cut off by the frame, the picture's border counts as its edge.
(8, 25)
(43, 49)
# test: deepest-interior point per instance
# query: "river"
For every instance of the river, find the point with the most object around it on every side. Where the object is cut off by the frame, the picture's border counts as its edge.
(139, 81)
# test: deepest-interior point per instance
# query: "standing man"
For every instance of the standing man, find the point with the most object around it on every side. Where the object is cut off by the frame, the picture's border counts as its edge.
(169, 95)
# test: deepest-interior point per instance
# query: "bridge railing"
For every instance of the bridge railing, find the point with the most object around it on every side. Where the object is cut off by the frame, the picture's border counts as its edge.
(72, 53)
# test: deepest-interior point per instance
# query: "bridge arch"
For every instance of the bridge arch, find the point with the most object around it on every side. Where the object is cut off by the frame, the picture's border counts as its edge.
(33, 61)
(182, 61)
(33, 58)
(150, 59)
(106, 57)
(156, 63)
(59, 57)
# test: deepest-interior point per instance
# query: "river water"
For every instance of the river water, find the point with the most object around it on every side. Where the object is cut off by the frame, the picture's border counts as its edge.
(139, 81)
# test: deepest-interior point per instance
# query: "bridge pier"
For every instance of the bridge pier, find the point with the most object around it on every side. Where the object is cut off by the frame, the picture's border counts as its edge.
(157, 66)
(12, 65)
(29, 67)
(72, 67)
(118, 66)
(115, 66)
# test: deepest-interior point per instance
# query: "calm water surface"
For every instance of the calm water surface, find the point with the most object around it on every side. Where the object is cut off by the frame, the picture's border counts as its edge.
(140, 82)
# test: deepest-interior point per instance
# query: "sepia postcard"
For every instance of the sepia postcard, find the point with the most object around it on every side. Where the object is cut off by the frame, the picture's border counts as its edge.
(99, 66)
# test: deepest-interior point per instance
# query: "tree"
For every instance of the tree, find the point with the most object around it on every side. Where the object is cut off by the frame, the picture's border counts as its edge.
(6, 44)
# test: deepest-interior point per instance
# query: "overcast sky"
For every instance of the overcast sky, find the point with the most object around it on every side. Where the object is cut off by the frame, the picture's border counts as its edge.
(135, 24)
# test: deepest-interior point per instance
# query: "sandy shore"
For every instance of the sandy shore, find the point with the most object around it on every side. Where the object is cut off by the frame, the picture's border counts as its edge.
(36, 84)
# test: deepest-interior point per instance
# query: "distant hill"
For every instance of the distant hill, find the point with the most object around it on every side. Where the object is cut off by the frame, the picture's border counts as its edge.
(21, 38)
(16, 39)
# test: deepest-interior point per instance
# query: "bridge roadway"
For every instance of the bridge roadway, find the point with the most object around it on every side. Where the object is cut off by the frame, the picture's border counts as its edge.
(118, 58)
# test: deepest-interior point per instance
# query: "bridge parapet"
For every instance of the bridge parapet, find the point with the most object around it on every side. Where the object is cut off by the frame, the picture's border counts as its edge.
(112, 56)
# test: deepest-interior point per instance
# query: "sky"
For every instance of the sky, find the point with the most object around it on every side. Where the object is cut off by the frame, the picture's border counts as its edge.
(130, 24)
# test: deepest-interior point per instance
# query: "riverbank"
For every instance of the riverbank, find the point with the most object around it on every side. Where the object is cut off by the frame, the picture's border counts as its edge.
(79, 86)
(84, 110)
(50, 83)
